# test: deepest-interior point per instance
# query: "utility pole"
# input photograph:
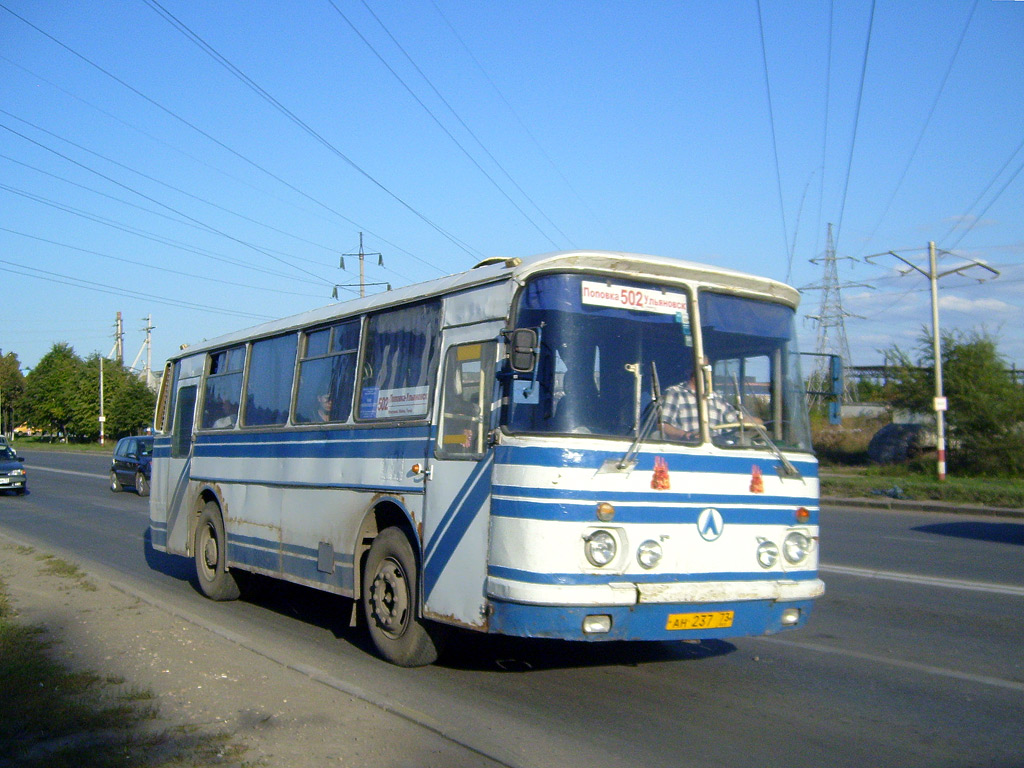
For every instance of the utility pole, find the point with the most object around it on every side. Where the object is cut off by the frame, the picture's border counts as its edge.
(362, 269)
(119, 339)
(103, 418)
(939, 403)
(147, 347)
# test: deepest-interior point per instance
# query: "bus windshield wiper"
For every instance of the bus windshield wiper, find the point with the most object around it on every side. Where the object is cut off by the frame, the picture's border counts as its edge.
(746, 420)
(652, 417)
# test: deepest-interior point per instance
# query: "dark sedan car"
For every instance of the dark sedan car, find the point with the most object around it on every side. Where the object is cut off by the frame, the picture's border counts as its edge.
(12, 475)
(131, 463)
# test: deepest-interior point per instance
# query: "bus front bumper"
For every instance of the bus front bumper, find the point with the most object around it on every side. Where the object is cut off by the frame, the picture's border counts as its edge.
(628, 611)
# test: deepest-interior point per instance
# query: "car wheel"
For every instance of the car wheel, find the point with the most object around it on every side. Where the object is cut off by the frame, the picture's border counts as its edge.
(115, 484)
(141, 484)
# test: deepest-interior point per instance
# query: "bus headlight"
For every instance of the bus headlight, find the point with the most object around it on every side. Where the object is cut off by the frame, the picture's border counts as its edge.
(649, 554)
(600, 548)
(796, 547)
(767, 553)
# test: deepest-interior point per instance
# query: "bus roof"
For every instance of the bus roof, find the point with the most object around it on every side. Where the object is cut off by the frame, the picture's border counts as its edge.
(612, 263)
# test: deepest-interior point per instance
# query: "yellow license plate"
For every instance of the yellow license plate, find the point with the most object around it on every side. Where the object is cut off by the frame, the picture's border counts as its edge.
(708, 620)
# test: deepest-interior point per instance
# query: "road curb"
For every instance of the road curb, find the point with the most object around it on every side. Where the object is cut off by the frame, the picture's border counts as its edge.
(910, 505)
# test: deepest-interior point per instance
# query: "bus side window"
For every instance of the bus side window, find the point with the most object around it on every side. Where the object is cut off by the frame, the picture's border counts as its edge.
(223, 388)
(327, 374)
(466, 400)
(400, 350)
(268, 390)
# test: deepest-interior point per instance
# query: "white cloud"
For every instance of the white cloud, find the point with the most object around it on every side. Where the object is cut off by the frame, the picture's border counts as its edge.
(988, 305)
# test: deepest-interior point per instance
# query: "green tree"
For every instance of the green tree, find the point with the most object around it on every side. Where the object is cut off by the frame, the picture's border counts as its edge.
(127, 401)
(986, 404)
(53, 388)
(12, 387)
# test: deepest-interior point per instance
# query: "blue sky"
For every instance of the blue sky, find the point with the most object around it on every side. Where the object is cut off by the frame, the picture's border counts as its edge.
(140, 173)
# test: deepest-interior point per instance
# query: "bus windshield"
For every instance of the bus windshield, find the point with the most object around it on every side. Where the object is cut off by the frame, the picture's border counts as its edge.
(607, 345)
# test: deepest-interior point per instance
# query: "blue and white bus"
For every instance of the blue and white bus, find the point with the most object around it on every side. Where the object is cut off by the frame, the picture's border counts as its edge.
(492, 451)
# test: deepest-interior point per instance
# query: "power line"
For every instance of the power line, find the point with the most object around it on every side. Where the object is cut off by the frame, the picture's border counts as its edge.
(775, 143)
(166, 185)
(56, 277)
(522, 123)
(276, 290)
(983, 193)
(856, 119)
(824, 136)
(469, 131)
(927, 122)
(206, 135)
(306, 128)
(182, 214)
(148, 235)
(440, 124)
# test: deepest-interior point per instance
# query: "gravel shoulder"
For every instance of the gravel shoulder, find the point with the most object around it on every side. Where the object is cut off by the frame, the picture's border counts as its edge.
(204, 685)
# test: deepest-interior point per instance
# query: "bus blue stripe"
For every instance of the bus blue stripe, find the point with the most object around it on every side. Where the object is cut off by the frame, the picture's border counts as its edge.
(645, 497)
(570, 456)
(583, 513)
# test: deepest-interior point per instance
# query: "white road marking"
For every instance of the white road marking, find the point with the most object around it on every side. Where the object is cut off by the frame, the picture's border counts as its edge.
(34, 468)
(929, 581)
(928, 669)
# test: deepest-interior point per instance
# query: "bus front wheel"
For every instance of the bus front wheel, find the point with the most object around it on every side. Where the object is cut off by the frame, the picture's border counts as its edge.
(390, 580)
(211, 552)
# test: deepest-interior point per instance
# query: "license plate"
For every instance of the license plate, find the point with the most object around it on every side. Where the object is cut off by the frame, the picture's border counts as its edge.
(4, 480)
(707, 620)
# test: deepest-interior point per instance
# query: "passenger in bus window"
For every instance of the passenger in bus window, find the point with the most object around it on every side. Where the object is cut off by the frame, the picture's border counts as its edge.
(324, 404)
(227, 418)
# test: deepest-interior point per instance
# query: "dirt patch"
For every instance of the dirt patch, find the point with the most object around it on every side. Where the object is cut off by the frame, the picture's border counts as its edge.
(205, 689)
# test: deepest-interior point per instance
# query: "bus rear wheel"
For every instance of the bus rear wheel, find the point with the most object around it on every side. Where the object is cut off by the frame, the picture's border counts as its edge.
(211, 552)
(390, 580)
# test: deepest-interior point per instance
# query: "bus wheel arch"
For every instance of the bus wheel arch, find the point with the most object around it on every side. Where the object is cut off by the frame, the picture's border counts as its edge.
(386, 513)
(210, 553)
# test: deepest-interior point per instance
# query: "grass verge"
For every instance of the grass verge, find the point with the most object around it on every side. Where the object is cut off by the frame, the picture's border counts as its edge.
(915, 483)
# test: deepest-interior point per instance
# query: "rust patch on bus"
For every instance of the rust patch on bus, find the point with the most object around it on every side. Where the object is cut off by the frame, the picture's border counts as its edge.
(453, 621)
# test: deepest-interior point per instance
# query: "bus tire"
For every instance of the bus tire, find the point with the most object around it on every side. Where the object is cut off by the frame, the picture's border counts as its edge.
(141, 484)
(211, 552)
(390, 589)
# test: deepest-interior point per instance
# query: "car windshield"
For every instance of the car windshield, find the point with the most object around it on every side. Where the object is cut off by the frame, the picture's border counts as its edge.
(603, 342)
(7, 454)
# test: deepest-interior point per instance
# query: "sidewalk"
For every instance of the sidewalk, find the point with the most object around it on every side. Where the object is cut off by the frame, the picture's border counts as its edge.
(207, 689)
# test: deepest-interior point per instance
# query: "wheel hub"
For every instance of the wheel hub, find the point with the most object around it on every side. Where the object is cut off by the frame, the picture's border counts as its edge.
(210, 552)
(389, 598)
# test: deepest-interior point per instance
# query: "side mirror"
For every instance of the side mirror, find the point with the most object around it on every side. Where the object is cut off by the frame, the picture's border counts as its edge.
(522, 352)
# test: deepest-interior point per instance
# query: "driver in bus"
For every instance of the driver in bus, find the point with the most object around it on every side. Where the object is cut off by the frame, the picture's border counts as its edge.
(680, 411)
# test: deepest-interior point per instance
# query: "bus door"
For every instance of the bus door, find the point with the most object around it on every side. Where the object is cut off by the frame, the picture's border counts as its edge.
(172, 471)
(458, 487)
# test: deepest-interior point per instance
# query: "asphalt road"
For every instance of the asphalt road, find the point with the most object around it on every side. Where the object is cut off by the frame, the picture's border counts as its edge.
(915, 656)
